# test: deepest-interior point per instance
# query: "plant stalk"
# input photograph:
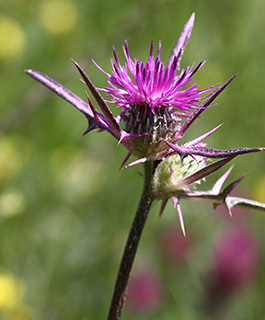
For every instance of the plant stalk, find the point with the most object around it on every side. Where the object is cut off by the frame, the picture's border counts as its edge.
(132, 243)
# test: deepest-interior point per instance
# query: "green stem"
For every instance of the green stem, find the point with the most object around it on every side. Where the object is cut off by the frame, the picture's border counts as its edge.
(132, 243)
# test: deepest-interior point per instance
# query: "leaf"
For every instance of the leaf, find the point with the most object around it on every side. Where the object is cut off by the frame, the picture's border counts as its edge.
(70, 97)
(209, 169)
(100, 101)
(204, 105)
(182, 40)
(242, 202)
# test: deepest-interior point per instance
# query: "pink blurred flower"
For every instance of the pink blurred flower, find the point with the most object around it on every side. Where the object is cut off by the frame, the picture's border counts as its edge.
(236, 262)
(145, 292)
(175, 247)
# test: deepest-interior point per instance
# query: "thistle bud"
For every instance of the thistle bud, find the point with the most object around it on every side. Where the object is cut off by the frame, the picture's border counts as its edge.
(170, 174)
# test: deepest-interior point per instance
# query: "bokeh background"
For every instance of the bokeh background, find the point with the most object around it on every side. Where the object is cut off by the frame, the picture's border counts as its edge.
(65, 208)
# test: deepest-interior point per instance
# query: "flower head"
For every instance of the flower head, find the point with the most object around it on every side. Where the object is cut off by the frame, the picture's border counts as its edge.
(235, 263)
(154, 99)
(158, 104)
(152, 84)
(145, 292)
(153, 96)
(170, 174)
(174, 247)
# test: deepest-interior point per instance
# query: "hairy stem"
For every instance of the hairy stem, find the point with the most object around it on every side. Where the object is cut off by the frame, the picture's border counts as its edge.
(132, 243)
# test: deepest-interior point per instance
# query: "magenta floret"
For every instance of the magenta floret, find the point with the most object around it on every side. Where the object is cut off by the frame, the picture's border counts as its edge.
(152, 83)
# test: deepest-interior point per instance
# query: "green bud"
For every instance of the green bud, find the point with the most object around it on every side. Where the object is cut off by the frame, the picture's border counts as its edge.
(170, 173)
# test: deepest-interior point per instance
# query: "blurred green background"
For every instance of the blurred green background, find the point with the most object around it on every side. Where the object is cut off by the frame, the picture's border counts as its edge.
(66, 209)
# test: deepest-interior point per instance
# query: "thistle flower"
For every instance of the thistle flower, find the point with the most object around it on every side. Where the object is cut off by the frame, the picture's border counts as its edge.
(145, 292)
(236, 259)
(158, 104)
(153, 98)
(152, 85)
(236, 262)
(174, 180)
(174, 247)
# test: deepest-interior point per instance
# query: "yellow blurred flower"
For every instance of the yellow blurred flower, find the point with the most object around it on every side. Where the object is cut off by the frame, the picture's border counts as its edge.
(11, 292)
(14, 152)
(21, 313)
(12, 202)
(77, 174)
(11, 299)
(12, 38)
(58, 16)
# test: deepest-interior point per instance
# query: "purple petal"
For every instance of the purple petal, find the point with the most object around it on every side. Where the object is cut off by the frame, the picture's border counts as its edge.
(207, 152)
(104, 108)
(202, 137)
(162, 208)
(182, 41)
(125, 160)
(70, 97)
(204, 105)
(219, 153)
(207, 170)
(219, 183)
(232, 186)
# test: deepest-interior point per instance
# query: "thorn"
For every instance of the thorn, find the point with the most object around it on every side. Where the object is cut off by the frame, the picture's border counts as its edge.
(162, 208)
(228, 209)
(125, 160)
(176, 204)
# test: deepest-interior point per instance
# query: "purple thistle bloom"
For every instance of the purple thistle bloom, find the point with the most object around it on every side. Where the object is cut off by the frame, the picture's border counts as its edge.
(154, 99)
(152, 85)
(145, 292)
(235, 264)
